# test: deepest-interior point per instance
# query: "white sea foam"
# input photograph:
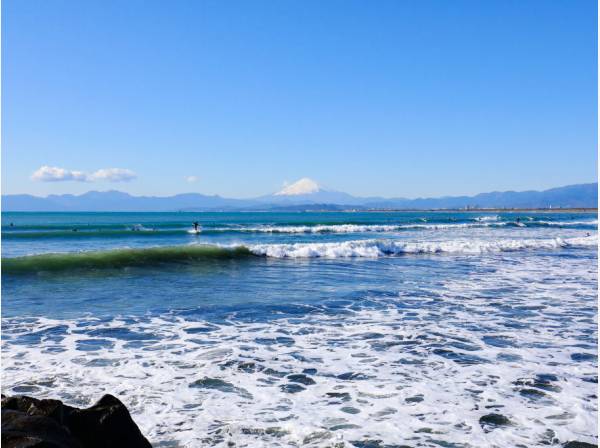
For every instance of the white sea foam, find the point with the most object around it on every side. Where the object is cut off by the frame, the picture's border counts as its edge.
(593, 222)
(480, 222)
(359, 228)
(380, 248)
(538, 311)
(487, 218)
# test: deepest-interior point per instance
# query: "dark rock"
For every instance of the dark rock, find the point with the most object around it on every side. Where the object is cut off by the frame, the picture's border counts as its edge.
(491, 421)
(28, 423)
(575, 444)
(20, 430)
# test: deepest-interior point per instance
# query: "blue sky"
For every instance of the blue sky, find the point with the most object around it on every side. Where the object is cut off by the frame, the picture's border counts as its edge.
(392, 98)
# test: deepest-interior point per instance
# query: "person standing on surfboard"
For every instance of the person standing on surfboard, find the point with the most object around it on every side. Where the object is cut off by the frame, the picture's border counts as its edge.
(195, 226)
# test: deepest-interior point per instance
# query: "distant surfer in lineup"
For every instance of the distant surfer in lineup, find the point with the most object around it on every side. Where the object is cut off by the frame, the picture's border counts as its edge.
(196, 227)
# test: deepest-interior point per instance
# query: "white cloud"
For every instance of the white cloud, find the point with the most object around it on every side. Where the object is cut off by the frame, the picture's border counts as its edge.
(191, 179)
(56, 174)
(113, 175)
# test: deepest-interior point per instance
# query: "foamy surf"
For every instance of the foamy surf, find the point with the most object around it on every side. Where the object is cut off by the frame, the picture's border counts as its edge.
(163, 231)
(197, 253)
(391, 370)
(382, 248)
(367, 330)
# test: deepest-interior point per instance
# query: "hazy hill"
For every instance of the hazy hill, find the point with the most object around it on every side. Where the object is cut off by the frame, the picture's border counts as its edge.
(304, 194)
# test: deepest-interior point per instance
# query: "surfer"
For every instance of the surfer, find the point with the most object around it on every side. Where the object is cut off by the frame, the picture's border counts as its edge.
(518, 220)
(195, 226)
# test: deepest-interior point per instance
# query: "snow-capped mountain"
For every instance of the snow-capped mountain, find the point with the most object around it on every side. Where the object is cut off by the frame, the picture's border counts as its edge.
(303, 192)
(303, 186)
(309, 191)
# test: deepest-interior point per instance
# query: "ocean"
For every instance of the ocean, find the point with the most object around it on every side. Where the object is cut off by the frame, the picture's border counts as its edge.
(357, 329)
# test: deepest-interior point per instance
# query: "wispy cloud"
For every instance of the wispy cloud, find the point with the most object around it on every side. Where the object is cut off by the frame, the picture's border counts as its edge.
(191, 179)
(55, 174)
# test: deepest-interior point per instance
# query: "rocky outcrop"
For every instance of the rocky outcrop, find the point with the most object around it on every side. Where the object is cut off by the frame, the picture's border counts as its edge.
(31, 423)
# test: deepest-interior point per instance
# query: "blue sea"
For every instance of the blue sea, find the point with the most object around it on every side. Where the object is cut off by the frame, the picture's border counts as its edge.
(310, 329)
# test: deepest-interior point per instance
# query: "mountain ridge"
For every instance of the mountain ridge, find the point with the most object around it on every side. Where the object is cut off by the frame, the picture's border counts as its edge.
(570, 196)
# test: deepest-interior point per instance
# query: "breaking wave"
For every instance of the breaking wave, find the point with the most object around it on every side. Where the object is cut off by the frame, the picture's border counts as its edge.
(380, 248)
(119, 258)
(141, 231)
(127, 257)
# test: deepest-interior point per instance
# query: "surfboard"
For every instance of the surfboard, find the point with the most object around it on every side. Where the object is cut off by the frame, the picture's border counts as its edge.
(194, 232)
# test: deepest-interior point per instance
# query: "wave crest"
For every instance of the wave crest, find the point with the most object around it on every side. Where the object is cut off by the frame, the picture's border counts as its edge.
(119, 258)
(380, 248)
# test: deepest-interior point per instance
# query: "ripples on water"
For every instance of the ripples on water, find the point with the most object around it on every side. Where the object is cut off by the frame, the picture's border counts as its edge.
(493, 349)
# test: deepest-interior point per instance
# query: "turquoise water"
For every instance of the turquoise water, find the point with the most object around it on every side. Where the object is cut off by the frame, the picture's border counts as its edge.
(310, 328)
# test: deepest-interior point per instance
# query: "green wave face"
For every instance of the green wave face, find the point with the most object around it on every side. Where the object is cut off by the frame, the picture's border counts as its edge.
(119, 258)
(89, 234)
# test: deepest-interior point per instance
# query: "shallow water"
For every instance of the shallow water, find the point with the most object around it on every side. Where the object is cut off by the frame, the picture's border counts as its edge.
(311, 329)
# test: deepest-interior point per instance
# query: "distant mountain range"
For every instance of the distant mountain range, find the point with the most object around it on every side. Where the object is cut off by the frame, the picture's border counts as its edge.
(305, 194)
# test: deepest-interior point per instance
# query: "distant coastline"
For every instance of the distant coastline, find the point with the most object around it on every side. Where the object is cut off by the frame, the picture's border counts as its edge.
(570, 197)
(479, 210)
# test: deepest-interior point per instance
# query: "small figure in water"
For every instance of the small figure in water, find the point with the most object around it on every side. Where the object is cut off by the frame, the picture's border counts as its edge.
(196, 226)
(75, 229)
(587, 234)
(11, 224)
(518, 220)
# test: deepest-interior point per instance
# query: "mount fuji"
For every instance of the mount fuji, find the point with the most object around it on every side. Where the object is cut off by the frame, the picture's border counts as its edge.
(308, 191)
(304, 194)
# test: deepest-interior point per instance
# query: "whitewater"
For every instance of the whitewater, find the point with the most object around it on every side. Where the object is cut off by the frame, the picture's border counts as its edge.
(310, 329)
